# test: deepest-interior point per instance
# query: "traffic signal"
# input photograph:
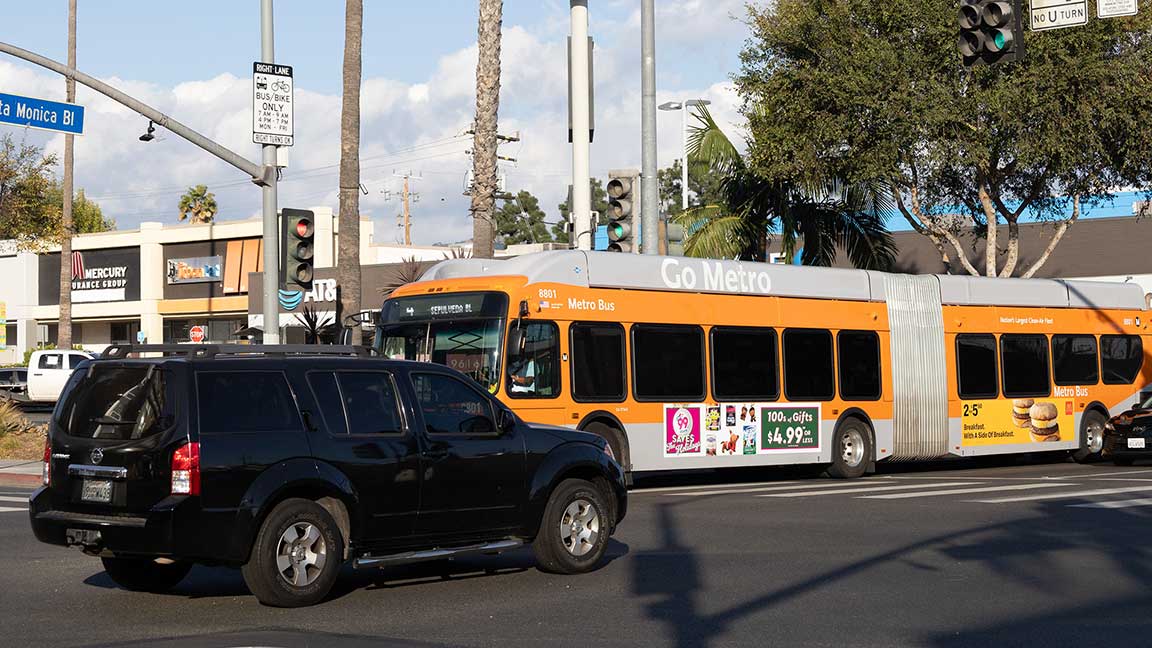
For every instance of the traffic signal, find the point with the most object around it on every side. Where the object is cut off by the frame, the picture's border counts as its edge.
(674, 233)
(622, 212)
(990, 31)
(297, 238)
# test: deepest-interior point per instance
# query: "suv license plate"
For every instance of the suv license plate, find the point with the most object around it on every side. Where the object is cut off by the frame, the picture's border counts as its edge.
(1136, 444)
(96, 490)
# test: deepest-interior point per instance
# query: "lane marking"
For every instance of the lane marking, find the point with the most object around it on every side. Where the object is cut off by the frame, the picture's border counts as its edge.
(984, 478)
(1116, 504)
(22, 500)
(1121, 472)
(8, 509)
(867, 490)
(671, 489)
(960, 491)
(1089, 493)
(766, 489)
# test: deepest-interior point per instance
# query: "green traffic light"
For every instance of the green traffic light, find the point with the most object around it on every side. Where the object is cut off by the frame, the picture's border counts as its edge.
(999, 40)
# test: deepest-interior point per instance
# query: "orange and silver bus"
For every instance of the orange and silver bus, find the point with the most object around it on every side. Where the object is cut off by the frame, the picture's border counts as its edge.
(694, 363)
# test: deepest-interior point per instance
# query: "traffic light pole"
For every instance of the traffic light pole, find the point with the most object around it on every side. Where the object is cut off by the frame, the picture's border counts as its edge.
(271, 253)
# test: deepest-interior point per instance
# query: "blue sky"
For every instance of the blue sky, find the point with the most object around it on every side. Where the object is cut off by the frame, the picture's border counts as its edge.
(193, 60)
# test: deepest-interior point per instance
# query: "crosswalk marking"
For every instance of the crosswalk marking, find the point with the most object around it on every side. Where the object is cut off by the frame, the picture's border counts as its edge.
(854, 486)
(711, 487)
(1120, 472)
(5, 498)
(9, 509)
(961, 491)
(1116, 504)
(1073, 495)
(871, 489)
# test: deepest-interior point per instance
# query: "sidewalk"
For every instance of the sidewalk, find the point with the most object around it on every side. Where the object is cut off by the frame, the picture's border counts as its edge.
(20, 472)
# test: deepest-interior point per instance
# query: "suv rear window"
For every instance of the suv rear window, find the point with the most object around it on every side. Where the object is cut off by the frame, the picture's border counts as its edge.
(116, 402)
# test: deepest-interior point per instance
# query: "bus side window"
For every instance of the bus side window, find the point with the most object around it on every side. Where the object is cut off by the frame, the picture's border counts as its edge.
(976, 375)
(668, 362)
(1121, 357)
(1074, 360)
(859, 362)
(809, 374)
(597, 362)
(535, 371)
(744, 365)
(1024, 364)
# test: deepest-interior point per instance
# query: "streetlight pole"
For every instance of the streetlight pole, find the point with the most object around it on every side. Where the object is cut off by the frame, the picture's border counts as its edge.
(683, 106)
(649, 191)
(271, 256)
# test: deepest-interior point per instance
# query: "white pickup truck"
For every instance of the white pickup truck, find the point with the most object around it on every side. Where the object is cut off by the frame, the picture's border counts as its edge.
(48, 370)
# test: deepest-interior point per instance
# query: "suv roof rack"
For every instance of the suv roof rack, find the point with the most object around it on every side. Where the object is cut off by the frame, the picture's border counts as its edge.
(208, 351)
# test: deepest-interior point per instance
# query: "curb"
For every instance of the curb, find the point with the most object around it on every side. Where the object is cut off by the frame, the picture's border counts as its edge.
(19, 480)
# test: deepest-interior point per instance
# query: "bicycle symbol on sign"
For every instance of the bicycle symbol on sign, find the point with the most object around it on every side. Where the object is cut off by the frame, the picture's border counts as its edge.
(280, 85)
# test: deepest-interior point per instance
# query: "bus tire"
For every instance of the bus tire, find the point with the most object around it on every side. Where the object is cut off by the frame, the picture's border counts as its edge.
(851, 449)
(615, 439)
(1091, 437)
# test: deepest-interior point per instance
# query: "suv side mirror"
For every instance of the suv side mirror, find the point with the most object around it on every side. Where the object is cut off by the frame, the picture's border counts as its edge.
(506, 420)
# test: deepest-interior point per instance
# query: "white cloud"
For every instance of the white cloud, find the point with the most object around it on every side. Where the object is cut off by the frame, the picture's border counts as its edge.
(405, 126)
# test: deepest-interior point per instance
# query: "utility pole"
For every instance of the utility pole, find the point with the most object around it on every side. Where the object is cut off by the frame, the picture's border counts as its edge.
(407, 197)
(64, 321)
(581, 121)
(271, 231)
(649, 191)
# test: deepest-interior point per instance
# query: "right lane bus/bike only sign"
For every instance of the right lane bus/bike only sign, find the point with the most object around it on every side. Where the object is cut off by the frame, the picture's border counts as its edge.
(272, 104)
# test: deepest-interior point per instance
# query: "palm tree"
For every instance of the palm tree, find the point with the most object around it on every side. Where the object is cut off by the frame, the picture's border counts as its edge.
(198, 205)
(822, 215)
(484, 146)
(348, 253)
(64, 328)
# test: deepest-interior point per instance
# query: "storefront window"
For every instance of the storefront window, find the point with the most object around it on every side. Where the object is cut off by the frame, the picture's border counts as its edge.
(216, 331)
(124, 332)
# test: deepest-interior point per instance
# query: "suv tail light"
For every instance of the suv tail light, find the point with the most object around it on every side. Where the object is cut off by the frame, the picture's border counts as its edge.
(186, 470)
(47, 472)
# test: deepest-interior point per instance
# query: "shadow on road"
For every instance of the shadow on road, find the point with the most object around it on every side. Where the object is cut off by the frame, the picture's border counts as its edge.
(1031, 552)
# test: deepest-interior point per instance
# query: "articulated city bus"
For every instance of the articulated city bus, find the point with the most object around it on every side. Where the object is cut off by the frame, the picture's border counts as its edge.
(693, 363)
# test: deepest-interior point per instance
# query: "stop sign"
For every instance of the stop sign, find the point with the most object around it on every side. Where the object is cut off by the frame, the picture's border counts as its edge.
(196, 333)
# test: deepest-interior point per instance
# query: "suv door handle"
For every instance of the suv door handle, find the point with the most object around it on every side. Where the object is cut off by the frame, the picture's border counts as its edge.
(438, 453)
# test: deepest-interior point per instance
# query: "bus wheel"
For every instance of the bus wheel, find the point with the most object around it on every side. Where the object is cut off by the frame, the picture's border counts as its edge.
(615, 440)
(851, 449)
(1091, 437)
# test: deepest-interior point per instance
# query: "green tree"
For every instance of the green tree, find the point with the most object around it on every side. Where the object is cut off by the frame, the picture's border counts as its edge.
(877, 94)
(520, 220)
(198, 205)
(704, 187)
(87, 217)
(28, 212)
(599, 205)
(821, 216)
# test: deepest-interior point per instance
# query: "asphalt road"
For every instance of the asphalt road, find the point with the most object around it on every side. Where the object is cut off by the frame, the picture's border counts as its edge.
(1007, 555)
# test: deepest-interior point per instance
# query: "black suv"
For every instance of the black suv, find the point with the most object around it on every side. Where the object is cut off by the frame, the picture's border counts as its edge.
(287, 461)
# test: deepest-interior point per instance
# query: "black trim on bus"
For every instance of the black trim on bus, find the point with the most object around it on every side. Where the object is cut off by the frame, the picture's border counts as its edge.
(532, 396)
(840, 368)
(623, 363)
(1047, 364)
(995, 362)
(711, 363)
(784, 363)
(1052, 359)
(681, 398)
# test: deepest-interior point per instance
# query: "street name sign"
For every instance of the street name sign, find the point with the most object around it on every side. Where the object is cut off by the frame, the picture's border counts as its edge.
(1115, 8)
(272, 104)
(1054, 14)
(43, 114)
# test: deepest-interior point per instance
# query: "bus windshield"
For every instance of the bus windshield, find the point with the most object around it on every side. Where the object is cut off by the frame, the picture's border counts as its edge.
(462, 331)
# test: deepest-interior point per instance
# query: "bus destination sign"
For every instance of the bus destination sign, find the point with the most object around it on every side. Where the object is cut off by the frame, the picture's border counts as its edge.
(438, 307)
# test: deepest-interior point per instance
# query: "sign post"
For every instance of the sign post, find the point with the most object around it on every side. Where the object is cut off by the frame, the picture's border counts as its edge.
(47, 115)
(272, 104)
